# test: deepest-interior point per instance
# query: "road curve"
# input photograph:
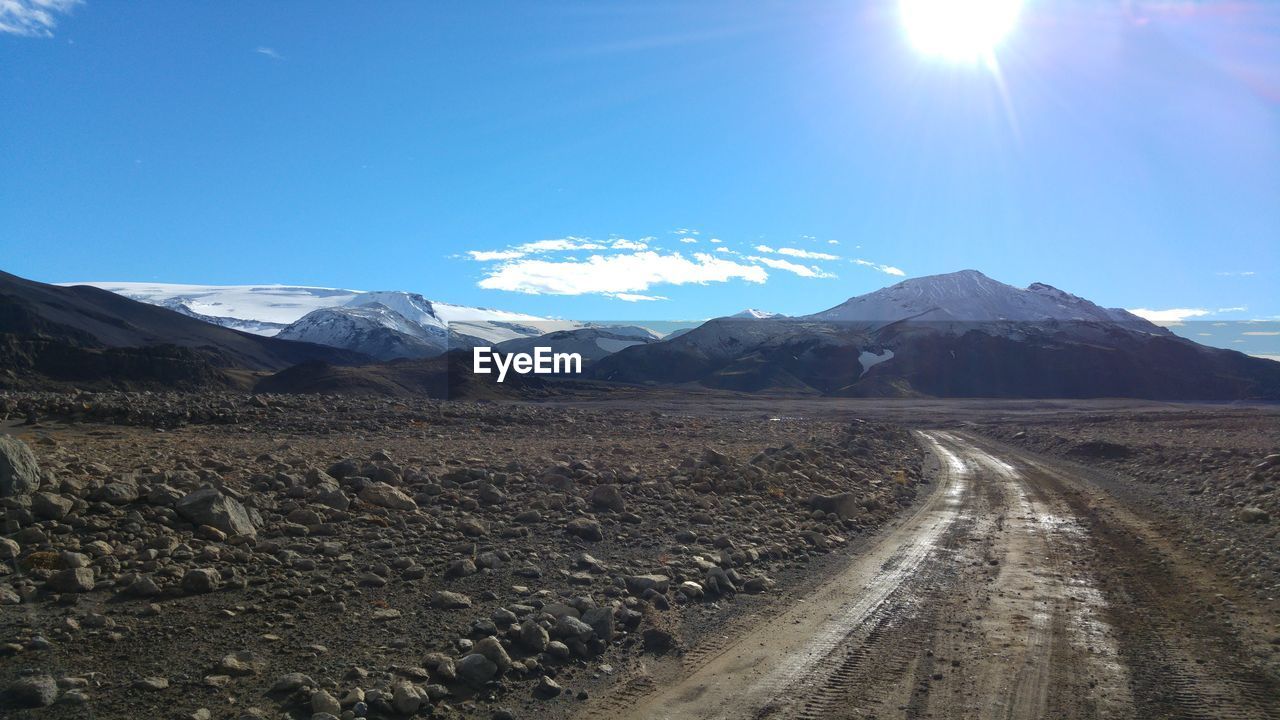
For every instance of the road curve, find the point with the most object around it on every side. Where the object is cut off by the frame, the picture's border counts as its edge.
(981, 604)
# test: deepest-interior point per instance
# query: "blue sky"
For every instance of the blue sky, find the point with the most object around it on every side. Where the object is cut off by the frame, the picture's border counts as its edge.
(647, 159)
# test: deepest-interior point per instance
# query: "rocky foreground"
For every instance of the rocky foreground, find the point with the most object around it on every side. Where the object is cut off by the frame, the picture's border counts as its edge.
(1212, 475)
(224, 556)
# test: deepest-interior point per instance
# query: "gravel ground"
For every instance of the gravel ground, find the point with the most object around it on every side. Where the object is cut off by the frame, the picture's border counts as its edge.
(231, 556)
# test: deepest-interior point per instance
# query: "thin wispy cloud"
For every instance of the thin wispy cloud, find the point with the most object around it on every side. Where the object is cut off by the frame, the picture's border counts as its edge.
(1227, 273)
(264, 50)
(808, 271)
(634, 297)
(806, 254)
(886, 269)
(490, 255)
(689, 240)
(33, 18)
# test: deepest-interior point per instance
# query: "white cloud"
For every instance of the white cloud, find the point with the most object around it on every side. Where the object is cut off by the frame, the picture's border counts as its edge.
(1266, 356)
(833, 242)
(1171, 316)
(1261, 333)
(801, 270)
(633, 297)
(764, 249)
(33, 18)
(807, 254)
(886, 269)
(1233, 309)
(564, 244)
(689, 240)
(685, 231)
(1246, 273)
(625, 244)
(490, 255)
(616, 274)
(715, 240)
(262, 50)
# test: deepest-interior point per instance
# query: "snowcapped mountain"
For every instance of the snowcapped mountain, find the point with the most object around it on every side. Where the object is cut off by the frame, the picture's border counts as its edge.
(373, 329)
(956, 335)
(400, 324)
(970, 296)
(754, 314)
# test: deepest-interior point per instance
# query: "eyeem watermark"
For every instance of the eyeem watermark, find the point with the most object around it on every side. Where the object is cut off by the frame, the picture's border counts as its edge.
(542, 362)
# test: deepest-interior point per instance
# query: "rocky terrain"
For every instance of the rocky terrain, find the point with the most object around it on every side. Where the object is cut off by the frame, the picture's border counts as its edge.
(1212, 475)
(227, 556)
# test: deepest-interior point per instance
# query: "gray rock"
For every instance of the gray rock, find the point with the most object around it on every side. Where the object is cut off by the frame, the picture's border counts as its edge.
(292, 681)
(585, 528)
(448, 600)
(73, 580)
(151, 683)
(441, 665)
(571, 628)
(601, 621)
(407, 698)
(33, 691)
(546, 688)
(383, 495)
(48, 506)
(201, 580)
(638, 584)
(118, 493)
(533, 636)
(492, 649)
(476, 669)
(1254, 515)
(209, 507)
(608, 497)
(19, 473)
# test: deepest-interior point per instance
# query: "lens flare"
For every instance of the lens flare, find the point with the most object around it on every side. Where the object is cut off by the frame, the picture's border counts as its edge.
(959, 30)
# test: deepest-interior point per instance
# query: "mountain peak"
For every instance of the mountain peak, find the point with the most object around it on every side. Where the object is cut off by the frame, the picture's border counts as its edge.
(970, 296)
(754, 314)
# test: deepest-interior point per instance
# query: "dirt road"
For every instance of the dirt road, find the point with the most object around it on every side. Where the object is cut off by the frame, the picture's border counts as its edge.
(1017, 590)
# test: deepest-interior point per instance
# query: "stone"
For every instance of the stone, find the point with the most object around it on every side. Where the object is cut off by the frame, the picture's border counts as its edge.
(585, 528)
(492, 649)
(546, 688)
(33, 691)
(208, 506)
(407, 698)
(239, 664)
(608, 497)
(73, 580)
(151, 684)
(290, 682)
(601, 621)
(571, 628)
(476, 669)
(533, 637)
(48, 506)
(1254, 515)
(638, 584)
(441, 665)
(201, 580)
(19, 473)
(447, 600)
(383, 495)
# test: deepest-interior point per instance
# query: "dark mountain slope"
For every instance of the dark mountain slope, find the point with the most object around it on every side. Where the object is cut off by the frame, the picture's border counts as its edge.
(86, 335)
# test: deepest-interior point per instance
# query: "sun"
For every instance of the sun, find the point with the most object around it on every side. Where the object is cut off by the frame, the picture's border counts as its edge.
(959, 30)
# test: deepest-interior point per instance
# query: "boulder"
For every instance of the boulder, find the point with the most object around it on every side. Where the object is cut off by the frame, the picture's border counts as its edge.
(208, 506)
(19, 473)
(383, 495)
